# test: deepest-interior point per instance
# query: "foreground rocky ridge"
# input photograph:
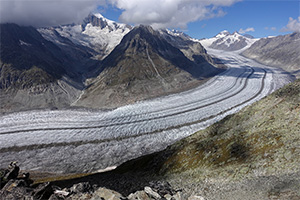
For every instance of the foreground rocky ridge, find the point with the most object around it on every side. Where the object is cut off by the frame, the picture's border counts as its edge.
(15, 186)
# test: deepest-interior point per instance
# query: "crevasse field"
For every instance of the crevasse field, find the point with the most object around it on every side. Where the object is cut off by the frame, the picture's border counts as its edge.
(70, 141)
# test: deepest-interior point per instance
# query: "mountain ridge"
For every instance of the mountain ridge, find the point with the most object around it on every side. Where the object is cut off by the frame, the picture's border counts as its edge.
(145, 65)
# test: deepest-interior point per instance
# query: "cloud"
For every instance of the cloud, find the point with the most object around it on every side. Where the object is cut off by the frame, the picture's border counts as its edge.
(46, 12)
(169, 13)
(293, 25)
(158, 13)
(242, 31)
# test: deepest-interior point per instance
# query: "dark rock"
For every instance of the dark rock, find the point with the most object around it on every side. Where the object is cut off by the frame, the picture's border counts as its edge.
(13, 171)
(162, 188)
(43, 191)
(16, 189)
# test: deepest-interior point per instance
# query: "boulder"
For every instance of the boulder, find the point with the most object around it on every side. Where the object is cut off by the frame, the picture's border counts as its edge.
(152, 193)
(106, 194)
(139, 195)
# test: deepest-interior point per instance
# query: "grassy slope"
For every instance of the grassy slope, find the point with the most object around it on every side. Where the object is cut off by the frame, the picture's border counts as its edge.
(262, 139)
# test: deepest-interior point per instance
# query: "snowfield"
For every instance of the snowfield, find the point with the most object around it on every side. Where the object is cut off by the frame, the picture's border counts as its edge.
(84, 140)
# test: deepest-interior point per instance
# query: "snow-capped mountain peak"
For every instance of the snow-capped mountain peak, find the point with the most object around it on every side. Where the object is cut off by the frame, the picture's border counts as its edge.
(95, 32)
(98, 20)
(98, 15)
(222, 34)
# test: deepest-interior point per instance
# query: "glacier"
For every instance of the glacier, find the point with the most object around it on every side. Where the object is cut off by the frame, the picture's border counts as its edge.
(82, 140)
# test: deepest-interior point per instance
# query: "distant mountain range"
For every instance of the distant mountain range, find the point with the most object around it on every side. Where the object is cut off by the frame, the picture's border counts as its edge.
(92, 64)
(229, 42)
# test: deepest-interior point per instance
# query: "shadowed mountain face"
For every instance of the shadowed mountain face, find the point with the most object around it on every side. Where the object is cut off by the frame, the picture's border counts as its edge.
(32, 69)
(281, 51)
(144, 65)
(25, 52)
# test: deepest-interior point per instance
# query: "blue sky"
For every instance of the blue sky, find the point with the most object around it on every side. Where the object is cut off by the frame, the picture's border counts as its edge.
(265, 17)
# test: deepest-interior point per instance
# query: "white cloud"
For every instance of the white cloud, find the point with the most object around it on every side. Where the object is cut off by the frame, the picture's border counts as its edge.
(158, 13)
(250, 29)
(46, 12)
(169, 13)
(293, 25)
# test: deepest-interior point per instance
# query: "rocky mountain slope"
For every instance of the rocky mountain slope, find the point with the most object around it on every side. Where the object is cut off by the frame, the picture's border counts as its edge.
(146, 65)
(281, 51)
(228, 42)
(34, 72)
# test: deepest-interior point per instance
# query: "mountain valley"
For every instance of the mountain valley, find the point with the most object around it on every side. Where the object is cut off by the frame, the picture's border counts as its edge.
(216, 118)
